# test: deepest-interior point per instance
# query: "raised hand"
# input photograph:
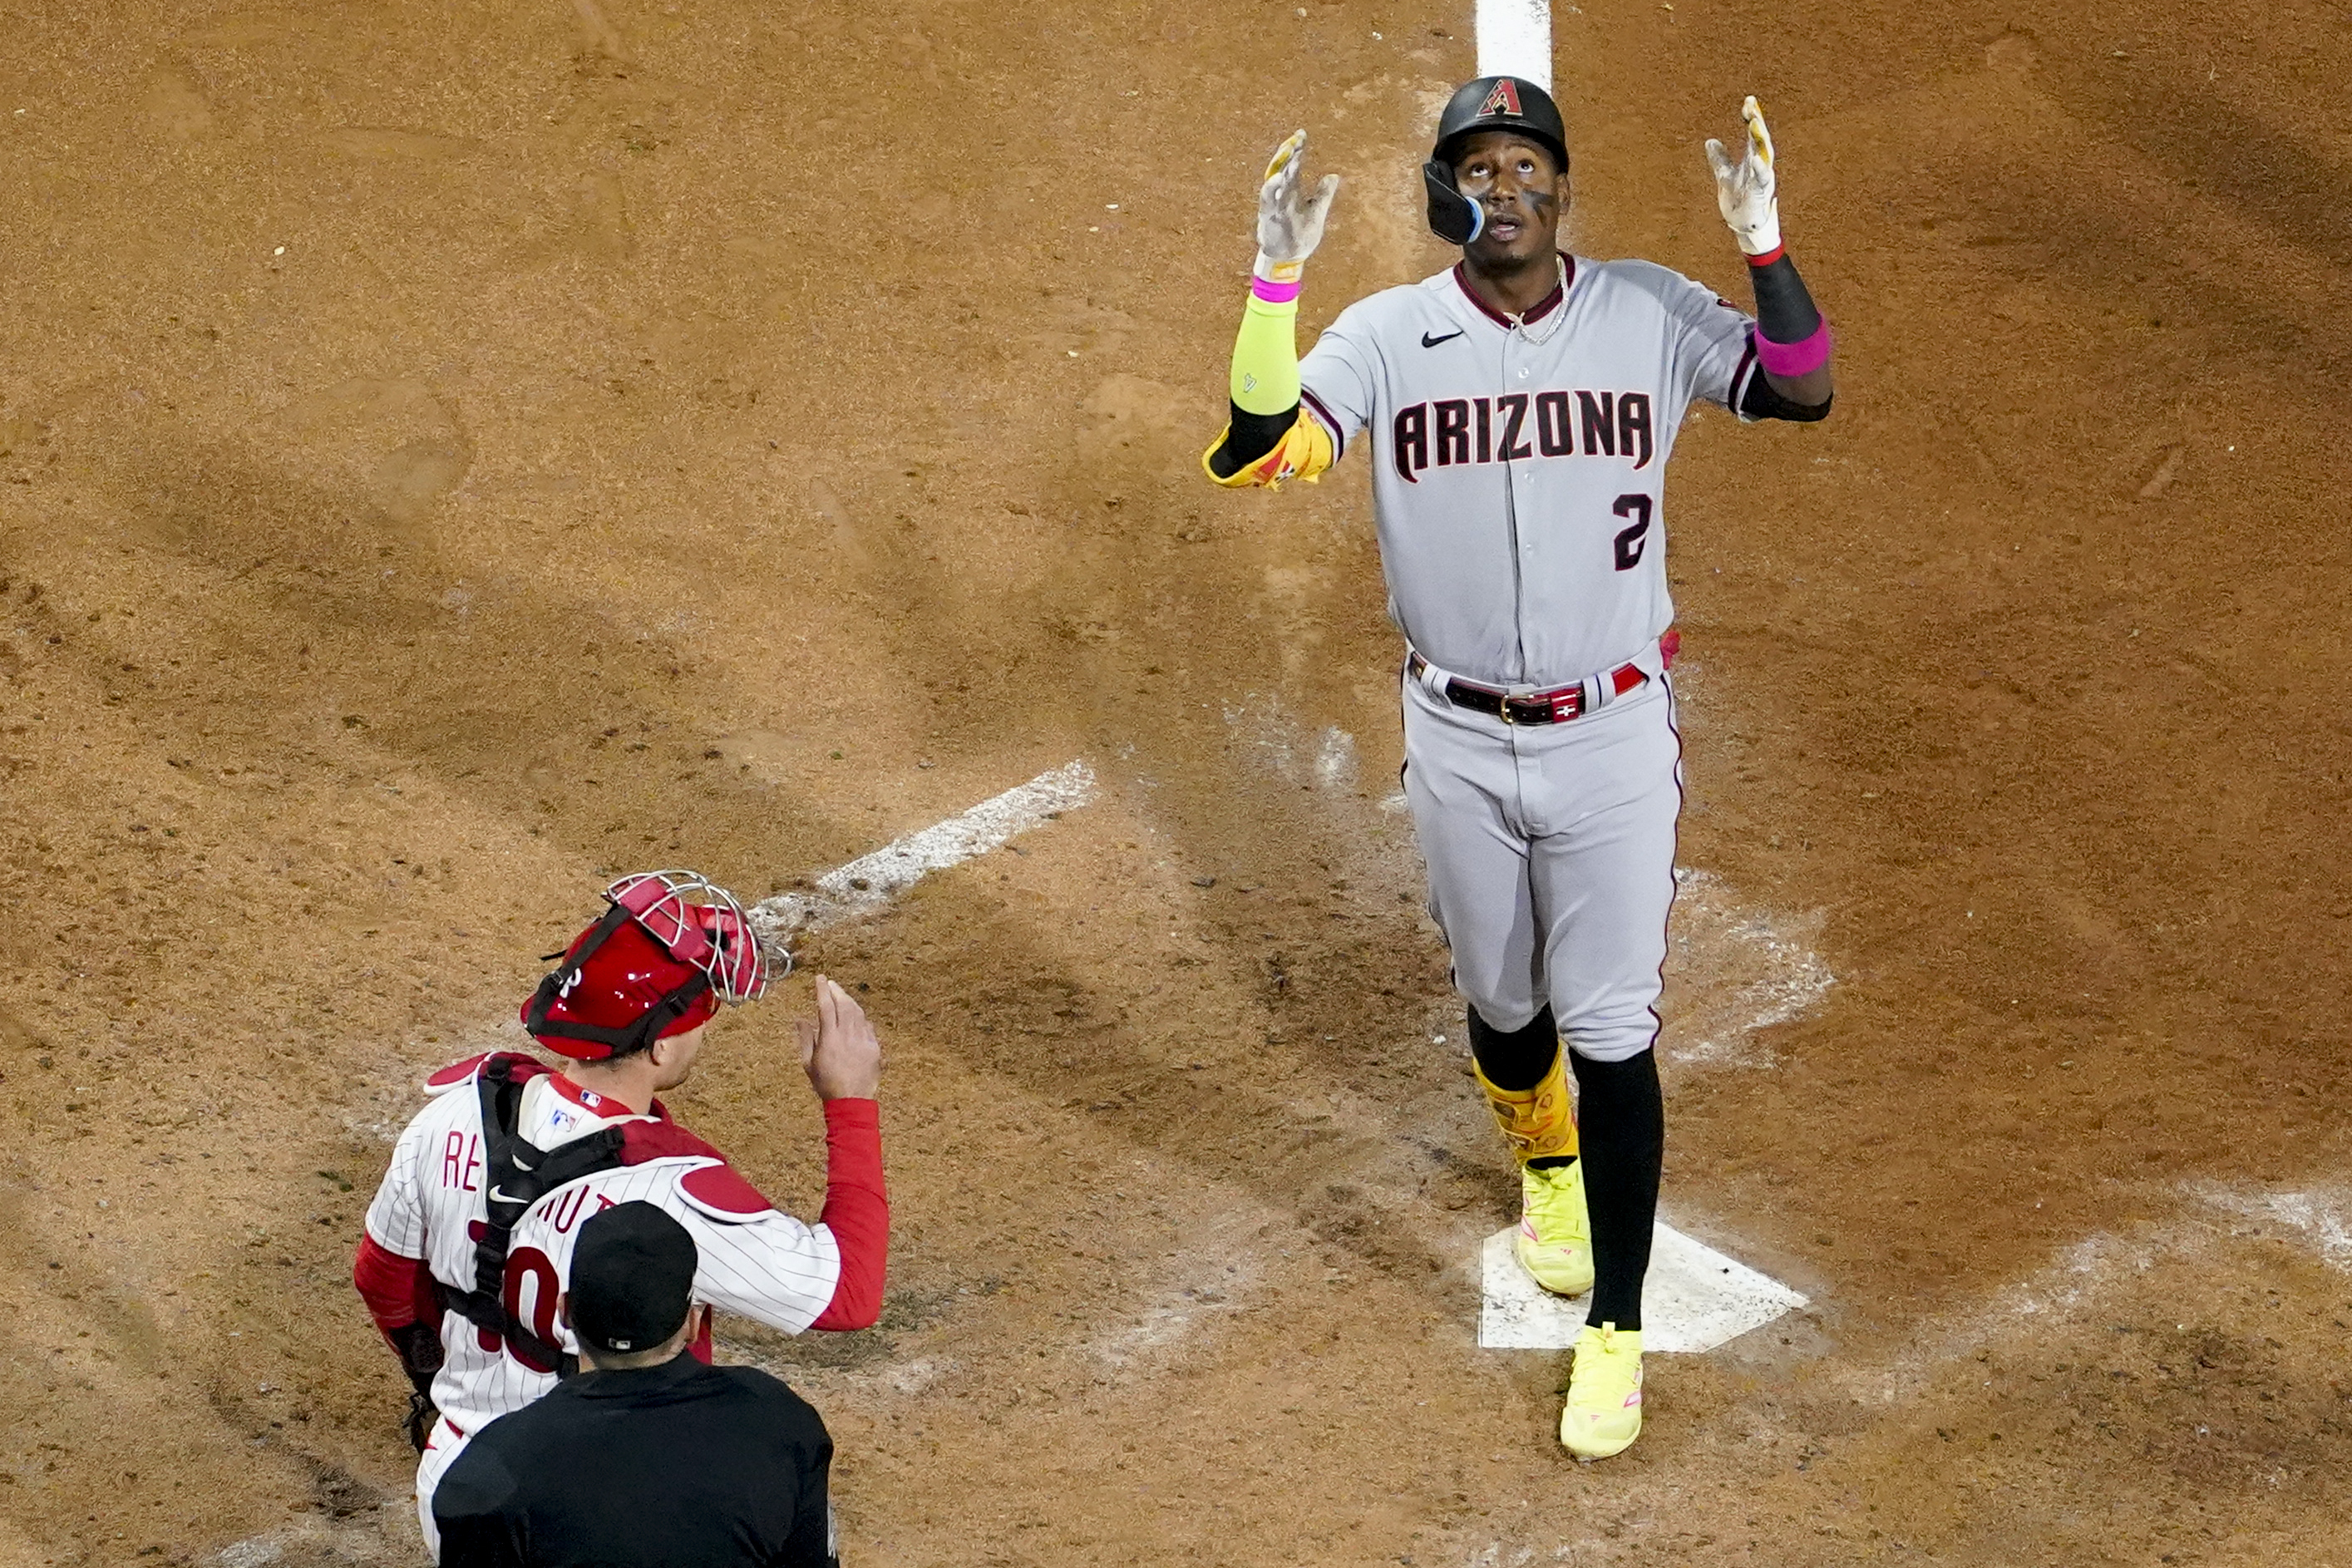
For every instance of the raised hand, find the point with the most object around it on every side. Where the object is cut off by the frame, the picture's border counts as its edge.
(1746, 191)
(1291, 221)
(839, 1051)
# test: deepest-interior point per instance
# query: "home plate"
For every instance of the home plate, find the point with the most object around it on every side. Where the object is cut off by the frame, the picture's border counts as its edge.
(1694, 1300)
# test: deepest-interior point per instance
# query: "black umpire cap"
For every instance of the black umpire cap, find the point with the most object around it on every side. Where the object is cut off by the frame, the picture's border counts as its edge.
(632, 1279)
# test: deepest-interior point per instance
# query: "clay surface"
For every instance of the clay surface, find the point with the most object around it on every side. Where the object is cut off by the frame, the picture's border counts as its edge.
(455, 452)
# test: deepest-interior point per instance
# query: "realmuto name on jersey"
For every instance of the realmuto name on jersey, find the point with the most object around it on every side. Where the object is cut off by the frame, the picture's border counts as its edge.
(1523, 425)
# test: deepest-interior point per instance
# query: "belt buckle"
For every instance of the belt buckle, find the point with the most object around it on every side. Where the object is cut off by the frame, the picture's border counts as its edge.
(1502, 708)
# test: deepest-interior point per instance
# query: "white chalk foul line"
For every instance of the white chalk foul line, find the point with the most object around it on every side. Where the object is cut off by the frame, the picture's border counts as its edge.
(2321, 1216)
(1515, 39)
(871, 881)
(1694, 1300)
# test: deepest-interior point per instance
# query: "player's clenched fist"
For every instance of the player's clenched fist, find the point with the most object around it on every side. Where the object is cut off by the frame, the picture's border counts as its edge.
(839, 1050)
(1746, 191)
(1290, 220)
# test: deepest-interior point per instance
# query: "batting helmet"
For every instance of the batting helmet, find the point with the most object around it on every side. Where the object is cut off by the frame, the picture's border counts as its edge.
(1491, 103)
(672, 946)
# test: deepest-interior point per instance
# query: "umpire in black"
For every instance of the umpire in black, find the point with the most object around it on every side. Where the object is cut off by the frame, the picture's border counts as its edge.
(647, 1459)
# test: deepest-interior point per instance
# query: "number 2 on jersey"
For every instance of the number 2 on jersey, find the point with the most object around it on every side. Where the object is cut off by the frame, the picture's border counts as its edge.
(1634, 536)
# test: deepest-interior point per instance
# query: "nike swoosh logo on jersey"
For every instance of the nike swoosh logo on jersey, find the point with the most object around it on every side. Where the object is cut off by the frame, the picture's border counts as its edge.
(1429, 342)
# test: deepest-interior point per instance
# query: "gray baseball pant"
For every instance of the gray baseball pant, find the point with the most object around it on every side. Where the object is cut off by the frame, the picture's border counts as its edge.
(1550, 852)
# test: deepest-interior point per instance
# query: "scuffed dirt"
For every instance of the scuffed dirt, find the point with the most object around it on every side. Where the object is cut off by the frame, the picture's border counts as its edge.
(451, 454)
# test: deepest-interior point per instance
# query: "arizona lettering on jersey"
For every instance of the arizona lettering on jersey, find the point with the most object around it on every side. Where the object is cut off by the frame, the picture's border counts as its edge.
(1442, 432)
(755, 1260)
(1519, 480)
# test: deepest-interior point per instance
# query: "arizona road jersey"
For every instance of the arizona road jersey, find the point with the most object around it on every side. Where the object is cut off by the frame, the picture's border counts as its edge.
(755, 1260)
(1518, 475)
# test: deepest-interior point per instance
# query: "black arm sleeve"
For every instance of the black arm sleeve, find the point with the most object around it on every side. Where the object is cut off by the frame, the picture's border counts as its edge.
(1785, 314)
(1763, 401)
(1253, 435)
(1784, 308)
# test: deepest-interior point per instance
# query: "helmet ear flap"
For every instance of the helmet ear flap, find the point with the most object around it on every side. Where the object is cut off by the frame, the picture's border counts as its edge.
(1453, 216)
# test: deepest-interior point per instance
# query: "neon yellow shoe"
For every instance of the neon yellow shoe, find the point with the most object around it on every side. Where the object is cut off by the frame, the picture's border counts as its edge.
(1604, 1415)
(1555, 1240)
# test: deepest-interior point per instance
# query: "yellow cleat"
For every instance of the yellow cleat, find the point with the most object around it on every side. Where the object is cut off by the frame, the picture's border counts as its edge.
(1604, 1415)
(1555, 1240)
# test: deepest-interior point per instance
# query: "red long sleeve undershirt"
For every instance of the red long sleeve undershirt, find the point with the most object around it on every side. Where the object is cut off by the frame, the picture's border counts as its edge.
(857, 1212)
(399, 1290)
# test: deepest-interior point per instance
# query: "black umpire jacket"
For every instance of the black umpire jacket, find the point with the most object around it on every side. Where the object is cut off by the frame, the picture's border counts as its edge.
(653, 1467)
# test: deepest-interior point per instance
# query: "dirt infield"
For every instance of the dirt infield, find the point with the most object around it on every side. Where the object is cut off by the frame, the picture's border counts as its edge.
(453, 451)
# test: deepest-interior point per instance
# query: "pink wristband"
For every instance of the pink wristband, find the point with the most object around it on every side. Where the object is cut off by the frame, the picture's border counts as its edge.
(1795, 359)
(1273, 293)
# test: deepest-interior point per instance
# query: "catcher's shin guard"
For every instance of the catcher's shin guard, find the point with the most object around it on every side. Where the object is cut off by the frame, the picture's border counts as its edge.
(1538, 1123)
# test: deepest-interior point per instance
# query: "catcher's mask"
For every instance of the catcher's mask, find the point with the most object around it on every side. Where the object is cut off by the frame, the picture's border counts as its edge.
(1491, 103)
(671, 948)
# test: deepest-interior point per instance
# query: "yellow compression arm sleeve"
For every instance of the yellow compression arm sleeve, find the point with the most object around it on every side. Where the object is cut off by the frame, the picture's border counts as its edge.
(1265, 383)
(1265, 352)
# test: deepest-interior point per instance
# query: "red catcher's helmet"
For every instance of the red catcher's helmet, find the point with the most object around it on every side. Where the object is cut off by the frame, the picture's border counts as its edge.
(671, 948)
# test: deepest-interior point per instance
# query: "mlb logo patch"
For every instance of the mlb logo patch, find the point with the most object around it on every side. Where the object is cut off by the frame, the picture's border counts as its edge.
(1503, 99)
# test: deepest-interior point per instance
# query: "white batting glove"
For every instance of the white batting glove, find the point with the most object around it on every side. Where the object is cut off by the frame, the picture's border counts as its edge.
(1290, 221)
(1746, 191)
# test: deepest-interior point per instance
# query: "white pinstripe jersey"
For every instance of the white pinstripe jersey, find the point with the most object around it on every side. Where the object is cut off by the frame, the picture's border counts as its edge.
(755, 1260)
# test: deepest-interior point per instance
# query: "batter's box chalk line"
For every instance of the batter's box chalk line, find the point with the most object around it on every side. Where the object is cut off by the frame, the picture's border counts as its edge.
(1735, 969)
(870, 882)
(1694, 1300)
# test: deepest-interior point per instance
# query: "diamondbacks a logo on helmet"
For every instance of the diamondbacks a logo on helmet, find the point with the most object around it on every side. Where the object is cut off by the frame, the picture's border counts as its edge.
(1503, 99)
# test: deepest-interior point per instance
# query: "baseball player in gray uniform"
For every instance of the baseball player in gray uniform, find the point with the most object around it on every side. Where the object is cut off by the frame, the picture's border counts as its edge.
(1520, 409)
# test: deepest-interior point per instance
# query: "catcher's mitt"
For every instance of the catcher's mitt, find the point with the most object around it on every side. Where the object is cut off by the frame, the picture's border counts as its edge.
(421, 1418)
